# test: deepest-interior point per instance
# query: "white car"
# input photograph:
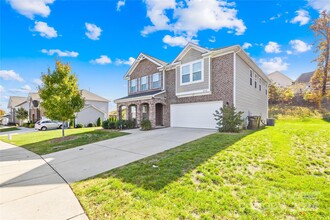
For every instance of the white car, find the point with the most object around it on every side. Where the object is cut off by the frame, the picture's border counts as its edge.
(46, 124)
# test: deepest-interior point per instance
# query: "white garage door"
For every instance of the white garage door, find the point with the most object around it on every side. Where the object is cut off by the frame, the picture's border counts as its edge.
(194, 115)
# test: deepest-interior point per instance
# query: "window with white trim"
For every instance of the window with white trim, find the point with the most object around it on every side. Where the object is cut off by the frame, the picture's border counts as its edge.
(144, 83)
(259, 84)
(251, 75)
(156, 80)
(192, 72)
(133, 85)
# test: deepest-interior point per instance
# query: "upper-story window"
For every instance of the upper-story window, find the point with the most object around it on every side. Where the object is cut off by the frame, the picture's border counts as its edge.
(255, 80)
(144, 83)
(259, 84)
(156, 80)
(191, 72)
(133, 85)
(251, 75)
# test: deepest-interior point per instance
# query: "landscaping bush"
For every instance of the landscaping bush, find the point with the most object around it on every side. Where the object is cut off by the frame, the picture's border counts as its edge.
(31, 125)
(90, 125)
(130, 124)
(112, 125)
(105, 124)
(294, 112)
(26, 125)
(228, 120)
(98, 122)
(145, 125)
(12, 124)
(79, 125)
(113, 118)
(120, 124)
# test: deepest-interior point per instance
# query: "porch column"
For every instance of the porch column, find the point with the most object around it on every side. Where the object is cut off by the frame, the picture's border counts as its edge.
(119, 112)
(138, 114)
(152, 114)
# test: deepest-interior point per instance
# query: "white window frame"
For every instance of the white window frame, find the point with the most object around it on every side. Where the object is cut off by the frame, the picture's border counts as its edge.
(255, 81)
(191, 72)
(130, 86)
(251, 77)
(147, 87)
(260, 85)
(152, 81)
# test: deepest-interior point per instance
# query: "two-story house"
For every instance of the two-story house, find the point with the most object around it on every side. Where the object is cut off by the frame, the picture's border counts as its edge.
(14, 103)
(187, 91)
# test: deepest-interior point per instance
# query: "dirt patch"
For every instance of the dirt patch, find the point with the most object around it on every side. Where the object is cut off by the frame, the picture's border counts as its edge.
(61, 139)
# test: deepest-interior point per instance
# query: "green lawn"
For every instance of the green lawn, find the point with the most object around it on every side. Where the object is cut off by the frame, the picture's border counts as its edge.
(45, 142)
(8, 129)
(280, 172)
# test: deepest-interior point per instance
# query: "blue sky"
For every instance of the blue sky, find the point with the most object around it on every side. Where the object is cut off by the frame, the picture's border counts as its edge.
(100, 39)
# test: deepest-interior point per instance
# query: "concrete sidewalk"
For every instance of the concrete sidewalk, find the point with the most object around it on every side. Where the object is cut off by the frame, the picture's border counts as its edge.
(31, 189)
(21, 131)
(89, 160)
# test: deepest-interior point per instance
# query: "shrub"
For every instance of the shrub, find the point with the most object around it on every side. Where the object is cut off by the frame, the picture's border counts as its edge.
(105, 124)
(113, 118)
(98, 122)
(145, 125)
(31, 125)
(26, 125)
(130, 124)
(120, 124)
(228, 120)
(79, 125)
(112, 125)
(90, 125)
(71, 123)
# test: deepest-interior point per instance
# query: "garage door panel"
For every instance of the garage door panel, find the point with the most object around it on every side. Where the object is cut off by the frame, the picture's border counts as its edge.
(194, 115)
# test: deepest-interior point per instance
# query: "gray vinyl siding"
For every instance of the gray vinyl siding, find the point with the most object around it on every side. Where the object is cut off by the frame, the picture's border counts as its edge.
(191, 55)
(248, 98)
(204, 85)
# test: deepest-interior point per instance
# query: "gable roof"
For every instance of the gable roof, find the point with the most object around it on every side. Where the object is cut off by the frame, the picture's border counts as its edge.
(279, 73)
(304, 77)
(92, 96)
(188, 47)
(15, 101)
(92, 106)
(34, 96)
(143, 56)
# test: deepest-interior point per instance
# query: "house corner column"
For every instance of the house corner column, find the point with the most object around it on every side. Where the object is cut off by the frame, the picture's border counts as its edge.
(138, 115)
(152, 114)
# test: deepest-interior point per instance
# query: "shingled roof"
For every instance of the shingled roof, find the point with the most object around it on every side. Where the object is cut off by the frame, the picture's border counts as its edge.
(15, 101)
(92, 97)
(304, 77)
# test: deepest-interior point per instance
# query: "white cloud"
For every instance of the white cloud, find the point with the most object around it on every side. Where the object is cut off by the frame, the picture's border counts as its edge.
(300, 46)
(60, 53)
(178, 41)
(44, 30)
(246, 45)
(212, 39)
(120, 4)
(2, 89)
(289, 52)
(320, 5)
(23, 89)
(302, 17)
(192, 16)
(275, 17)
(272, 47)
(102, 60)
(273, 64)
(93, 31)
(10, 75)
(37, 82)
(30, 8)
(130, 61)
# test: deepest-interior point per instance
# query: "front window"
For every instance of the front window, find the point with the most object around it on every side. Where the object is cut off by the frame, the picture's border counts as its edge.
(259, 84)
(144, 83)
(186, 74)
(255, 80)
(156, 80)
(191, 72)
(133, 85)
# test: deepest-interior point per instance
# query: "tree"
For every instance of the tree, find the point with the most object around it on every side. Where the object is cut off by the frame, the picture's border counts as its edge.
(61, 97)
(286, 95)
(273, 93)
(321, 29)
(228, 120)
(21, 114)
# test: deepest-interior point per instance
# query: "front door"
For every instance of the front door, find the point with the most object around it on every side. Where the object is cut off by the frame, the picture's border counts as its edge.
(159, 114)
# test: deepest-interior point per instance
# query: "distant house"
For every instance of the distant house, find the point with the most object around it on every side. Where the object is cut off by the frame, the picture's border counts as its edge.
(280, 79)
(95, 107)
(14, 103)
(303, 82)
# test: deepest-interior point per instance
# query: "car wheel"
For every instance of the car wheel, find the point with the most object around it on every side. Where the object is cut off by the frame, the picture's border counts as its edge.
(60, 127)
(44, 128)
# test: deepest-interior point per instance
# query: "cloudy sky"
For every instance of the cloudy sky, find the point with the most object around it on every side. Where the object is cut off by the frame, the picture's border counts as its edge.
(100, 39)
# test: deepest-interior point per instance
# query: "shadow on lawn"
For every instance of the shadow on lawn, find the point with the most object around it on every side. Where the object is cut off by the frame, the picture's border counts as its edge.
(157, 171)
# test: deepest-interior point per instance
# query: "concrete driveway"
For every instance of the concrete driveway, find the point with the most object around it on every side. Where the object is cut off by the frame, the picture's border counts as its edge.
(89, 160)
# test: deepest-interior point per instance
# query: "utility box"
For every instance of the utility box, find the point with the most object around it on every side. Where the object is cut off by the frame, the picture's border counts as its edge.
(270, 122)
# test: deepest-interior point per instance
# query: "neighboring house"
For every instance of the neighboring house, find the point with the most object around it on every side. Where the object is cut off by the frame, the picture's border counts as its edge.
(95, 107)
(302, 83)
(187, 91)
(280, 79)
(14, 103)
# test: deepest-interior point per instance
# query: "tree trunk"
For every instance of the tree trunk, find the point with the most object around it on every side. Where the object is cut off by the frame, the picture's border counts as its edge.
(62, 128)
(325, 71)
